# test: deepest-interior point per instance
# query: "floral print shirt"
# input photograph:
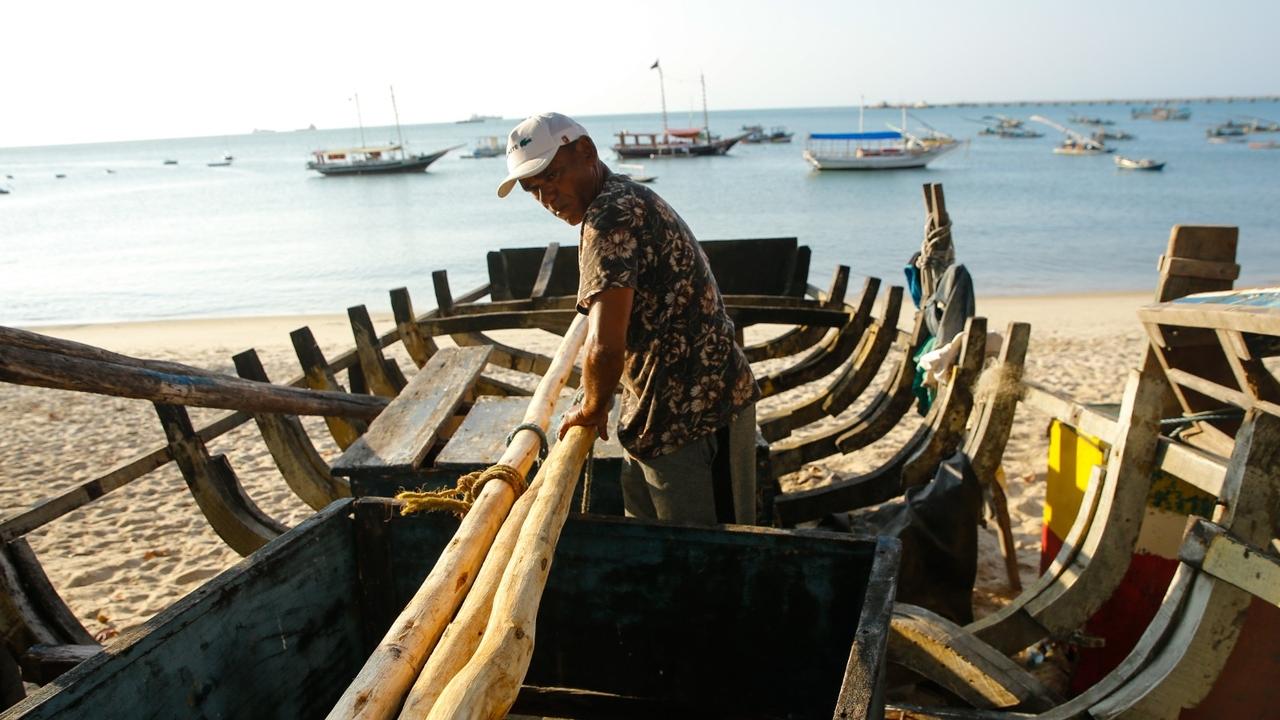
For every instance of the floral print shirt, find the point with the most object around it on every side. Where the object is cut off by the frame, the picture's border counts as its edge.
(684, 375)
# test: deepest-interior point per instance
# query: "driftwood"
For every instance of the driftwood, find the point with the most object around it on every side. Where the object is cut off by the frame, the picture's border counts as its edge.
(28, 358)
(382, 684)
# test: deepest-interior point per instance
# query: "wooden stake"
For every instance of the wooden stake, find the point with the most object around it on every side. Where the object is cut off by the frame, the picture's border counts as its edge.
(385, 679)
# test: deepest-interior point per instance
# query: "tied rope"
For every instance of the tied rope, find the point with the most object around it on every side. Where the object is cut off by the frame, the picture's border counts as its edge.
(459, 498)
(937, 253)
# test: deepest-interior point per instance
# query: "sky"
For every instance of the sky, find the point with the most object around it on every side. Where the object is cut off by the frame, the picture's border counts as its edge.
(136, 69)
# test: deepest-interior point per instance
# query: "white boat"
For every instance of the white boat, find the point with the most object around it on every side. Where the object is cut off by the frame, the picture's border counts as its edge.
(894, 149)
(635, 172)
(376, 159)
(887, 150)
(1125, 163)
(487, 147)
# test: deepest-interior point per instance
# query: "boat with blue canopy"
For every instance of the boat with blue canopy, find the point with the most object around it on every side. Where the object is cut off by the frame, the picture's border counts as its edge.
(881, 150)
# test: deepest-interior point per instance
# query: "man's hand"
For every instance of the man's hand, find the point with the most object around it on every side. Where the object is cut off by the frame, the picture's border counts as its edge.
(578, 415)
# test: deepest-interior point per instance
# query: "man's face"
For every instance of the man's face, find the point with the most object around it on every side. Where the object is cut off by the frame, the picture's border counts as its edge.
(564, 187)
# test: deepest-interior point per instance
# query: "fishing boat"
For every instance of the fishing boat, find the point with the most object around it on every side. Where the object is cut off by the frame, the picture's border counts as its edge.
(1230, 128)
(373, 159)
(1260, 125)
(636, 172)
(1161, 113)
(1089, 120)
(1074, 143)
(1125, 163)
(226, 160)
(756, 134)
(170, 162)
(487, 147)
(1103, 135)
(640, 619)
(673, 142)
(1006, 127)
(477, 119)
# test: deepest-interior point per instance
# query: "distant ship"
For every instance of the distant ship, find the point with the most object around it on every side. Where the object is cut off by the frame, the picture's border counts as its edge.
(478, 118)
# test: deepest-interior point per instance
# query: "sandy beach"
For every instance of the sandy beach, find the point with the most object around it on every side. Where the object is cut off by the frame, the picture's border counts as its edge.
(130, 554)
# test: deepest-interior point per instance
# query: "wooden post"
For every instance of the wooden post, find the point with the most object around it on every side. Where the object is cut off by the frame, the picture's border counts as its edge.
(444, 296)
(319, 376)
(487, 686)
(385, 679)
(545, 269)
(419, 346)
(383, 376)
(304, 471)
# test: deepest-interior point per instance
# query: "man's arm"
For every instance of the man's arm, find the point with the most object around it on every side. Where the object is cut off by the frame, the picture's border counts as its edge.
(604, 354)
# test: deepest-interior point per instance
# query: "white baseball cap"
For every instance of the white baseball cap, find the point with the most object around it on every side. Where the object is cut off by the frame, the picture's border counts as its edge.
(533, 144)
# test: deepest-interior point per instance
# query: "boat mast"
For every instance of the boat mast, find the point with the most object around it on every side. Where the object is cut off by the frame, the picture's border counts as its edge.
(706, 122)
(360, 121)
(662, 88)
(396, 112)
(862, 101)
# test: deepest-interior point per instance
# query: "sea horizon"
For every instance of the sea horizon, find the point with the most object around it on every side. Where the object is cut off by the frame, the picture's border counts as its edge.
(267, 237)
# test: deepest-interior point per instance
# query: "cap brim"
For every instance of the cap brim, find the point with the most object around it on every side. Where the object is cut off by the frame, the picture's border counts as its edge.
(528, 168)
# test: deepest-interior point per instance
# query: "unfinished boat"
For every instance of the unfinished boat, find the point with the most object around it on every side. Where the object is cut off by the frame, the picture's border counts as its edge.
(374, 607)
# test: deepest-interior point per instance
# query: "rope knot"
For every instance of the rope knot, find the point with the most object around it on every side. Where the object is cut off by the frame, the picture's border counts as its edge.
(459, 498)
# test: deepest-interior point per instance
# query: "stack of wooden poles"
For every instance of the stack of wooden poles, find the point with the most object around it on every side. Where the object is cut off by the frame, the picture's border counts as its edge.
(461, 647)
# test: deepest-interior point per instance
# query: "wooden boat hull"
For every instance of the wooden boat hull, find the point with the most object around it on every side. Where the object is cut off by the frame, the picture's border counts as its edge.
(637, 618)
(634, 152)
(414, 163)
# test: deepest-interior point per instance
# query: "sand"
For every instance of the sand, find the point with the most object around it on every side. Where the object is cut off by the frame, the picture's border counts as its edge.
(133, 552)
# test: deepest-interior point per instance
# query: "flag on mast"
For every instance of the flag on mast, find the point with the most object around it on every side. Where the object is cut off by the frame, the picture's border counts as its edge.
(654, 65)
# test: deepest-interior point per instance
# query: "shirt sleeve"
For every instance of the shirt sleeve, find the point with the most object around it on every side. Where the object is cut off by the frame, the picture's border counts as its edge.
(608, 257)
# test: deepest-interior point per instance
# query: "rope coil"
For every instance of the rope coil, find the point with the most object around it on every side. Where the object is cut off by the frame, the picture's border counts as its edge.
(459, 499)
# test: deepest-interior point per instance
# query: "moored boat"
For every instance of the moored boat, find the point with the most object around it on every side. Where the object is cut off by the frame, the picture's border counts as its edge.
(671, 143)
(883, 150)
(487, 147)
(375, 160)
(1125, 163)
(1074, 143)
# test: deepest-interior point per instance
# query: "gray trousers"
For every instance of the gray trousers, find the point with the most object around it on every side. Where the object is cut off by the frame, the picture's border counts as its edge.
(680, 485)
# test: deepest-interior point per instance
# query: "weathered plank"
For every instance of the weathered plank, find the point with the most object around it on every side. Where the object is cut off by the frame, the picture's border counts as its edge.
(513, 358)
(45, 663)
(941, 651)
(238, 521)
(305, 472)
(862, 689)
(1211, 549)
(542, 282)
(409, 427)
(482, 437)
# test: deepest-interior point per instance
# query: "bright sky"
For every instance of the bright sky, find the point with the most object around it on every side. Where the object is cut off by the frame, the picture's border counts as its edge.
(133, 69)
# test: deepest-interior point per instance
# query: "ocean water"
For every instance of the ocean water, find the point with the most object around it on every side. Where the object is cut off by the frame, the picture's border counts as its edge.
(267, 236)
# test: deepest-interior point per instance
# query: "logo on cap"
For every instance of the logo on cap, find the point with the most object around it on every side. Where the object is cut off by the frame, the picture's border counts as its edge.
(525, 141)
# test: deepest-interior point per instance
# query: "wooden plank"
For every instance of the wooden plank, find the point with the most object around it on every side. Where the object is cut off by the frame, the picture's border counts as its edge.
(488, 385)
(319, 375)
(1211, 549)
(558, 320)
(196, 388)
(407, 430)
(1201, 269)
(304, 471)
(241, 524)
(45, 663)
(419, 346)
(548, 264)
(862, 688)
(514, 358)
(941, 651)
(482, 437)
(382, 376)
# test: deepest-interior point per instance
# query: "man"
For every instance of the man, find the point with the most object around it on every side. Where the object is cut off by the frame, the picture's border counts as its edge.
(657, 323)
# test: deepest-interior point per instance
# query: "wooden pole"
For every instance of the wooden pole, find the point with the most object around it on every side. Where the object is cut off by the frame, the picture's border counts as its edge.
(32, 359)
(380, 687)
(487, 686)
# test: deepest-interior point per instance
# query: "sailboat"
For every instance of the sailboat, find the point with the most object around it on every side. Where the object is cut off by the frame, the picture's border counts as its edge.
(373, 159)
(692, 142)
